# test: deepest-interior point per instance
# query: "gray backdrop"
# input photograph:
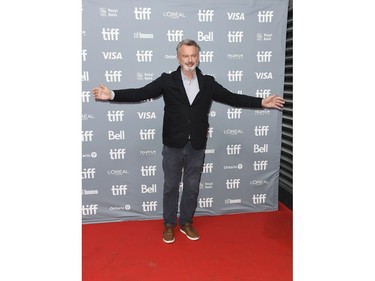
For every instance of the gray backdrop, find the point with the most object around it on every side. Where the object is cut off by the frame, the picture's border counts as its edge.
(127, 44)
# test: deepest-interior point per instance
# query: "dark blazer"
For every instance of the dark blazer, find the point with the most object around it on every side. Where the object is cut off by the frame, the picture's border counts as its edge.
(182, 120)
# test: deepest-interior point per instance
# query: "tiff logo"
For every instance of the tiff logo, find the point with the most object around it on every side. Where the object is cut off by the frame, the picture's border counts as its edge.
(259, 198)
(84, 54)
(110, 34)
(264, 56)
(142, 13)
(206, 56)
(88, 210)
(115, 115)
(210, 132)
(85, 96)
(88, 173)
(147, 134)
(205, 15)
(113, 75)
(261, 131)
(235, 36)
(234, 113)
(260, 165)
(233, 149)
(148, 171)
(119, 189)
(233, 183)
(206, 202)
(207, 168)
(265, 16)
(175, 35)
(235, 75)
(149, 206)
(87, 135)
(144, 55)
(116, 154)
(263, 93)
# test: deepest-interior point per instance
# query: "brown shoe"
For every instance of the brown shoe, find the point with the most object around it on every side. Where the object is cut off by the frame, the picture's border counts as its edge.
(189, 231)
(168, 234)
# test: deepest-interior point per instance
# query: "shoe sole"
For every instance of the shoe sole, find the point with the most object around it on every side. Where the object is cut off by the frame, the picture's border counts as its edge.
(168, 241)
(191, 238)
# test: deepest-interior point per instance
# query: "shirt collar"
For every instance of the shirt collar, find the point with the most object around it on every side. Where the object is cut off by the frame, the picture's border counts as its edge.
(186, 78)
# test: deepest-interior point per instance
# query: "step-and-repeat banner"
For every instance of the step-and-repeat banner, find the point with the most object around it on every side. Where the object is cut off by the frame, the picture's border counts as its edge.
(127, 44)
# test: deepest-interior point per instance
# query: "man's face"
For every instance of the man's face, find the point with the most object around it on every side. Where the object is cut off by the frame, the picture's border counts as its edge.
(188, 57)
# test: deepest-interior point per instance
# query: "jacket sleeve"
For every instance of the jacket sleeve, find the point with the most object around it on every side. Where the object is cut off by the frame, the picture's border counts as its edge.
(152, 90)
(221, 94)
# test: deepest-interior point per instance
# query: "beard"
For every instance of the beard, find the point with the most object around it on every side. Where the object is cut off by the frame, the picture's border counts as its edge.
(189, 68)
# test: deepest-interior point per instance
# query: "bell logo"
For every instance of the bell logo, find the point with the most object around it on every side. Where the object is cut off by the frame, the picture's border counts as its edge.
(148, 189)
(260, 149)
(116, 136)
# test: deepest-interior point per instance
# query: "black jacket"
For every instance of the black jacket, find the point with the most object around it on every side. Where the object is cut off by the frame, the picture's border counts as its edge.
(182, 120)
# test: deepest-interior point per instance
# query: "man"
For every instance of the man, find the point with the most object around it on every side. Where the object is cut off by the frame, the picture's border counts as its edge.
(187, 95)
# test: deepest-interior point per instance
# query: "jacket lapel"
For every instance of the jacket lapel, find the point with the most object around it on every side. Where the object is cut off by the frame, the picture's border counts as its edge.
(201, 85)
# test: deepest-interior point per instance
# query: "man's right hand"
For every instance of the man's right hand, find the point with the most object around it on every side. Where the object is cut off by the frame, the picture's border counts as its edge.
(102, 93)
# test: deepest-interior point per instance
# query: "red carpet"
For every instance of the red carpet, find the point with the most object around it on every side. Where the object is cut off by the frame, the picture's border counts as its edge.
(251, 247)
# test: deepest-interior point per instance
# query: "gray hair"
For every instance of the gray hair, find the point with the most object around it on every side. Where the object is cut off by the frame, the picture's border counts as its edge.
(187, 42)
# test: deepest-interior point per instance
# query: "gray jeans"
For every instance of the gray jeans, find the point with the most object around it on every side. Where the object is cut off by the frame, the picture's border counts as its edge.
(181, 164)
